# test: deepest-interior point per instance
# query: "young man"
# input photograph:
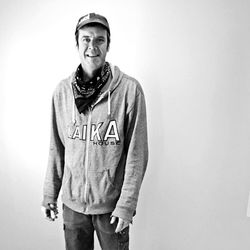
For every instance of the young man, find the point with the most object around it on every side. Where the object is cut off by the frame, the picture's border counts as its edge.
(98, 149)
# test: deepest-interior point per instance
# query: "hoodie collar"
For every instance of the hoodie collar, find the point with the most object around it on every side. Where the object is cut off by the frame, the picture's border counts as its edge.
(108, 88)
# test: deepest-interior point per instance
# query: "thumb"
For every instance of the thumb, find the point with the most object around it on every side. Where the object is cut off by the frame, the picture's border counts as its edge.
(51, 205)
(45, 212)
(113, 219)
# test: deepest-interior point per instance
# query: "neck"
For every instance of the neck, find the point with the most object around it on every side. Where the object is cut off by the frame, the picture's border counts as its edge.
(90, 74)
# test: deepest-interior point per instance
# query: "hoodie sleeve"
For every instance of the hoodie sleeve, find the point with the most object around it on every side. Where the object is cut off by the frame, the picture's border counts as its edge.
(136, 146)
(54, 174)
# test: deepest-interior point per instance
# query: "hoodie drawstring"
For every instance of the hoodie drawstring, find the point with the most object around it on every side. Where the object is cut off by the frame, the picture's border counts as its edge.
(73, 112)
(109, 90)
(109, 103)
(73, 102)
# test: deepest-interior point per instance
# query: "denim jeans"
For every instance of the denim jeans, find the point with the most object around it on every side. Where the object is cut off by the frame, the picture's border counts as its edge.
(79, 231)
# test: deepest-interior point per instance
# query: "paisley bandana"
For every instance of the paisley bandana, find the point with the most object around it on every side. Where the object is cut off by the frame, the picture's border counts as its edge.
(86, 92)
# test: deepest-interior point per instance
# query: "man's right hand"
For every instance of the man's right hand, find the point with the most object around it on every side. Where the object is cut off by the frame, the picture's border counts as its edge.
(50, 212)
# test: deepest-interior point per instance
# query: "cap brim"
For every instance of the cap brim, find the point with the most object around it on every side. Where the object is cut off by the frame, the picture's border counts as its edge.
(92, 21)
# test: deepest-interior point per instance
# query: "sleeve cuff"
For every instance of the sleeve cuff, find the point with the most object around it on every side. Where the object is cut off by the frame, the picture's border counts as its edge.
(48, 200)
(124, 213)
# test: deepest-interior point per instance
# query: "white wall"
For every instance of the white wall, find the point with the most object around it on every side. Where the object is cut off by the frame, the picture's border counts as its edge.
(192, 58)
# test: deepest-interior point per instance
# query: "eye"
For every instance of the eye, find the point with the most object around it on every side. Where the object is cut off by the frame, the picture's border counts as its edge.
(86, 39)
(100, 40)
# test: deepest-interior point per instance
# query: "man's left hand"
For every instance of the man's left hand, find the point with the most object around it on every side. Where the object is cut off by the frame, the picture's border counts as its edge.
(120, 225)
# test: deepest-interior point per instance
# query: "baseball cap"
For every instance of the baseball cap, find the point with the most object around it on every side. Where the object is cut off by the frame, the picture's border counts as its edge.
(92, 18)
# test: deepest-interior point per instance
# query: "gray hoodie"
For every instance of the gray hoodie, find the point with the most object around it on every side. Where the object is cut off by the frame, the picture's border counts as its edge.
(98, 160)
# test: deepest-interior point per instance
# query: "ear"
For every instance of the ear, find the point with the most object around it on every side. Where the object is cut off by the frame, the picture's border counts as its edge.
(77, 46)
(108, 46)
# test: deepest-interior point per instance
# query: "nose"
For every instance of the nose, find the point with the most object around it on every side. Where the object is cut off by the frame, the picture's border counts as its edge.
(92, 45)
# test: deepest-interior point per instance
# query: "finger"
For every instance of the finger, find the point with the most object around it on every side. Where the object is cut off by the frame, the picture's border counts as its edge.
(49, 215)
(53, 215)
(113, 219)
(55, 211)
(119, 226)
(46, 213)
(54, 208)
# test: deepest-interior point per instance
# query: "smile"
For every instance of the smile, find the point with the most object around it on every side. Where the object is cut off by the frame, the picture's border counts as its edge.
(92, 56)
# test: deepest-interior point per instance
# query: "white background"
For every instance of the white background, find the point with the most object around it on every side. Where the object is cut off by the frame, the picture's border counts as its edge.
(192, 59)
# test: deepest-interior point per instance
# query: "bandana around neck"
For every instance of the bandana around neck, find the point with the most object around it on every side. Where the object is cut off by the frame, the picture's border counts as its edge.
(86, 92)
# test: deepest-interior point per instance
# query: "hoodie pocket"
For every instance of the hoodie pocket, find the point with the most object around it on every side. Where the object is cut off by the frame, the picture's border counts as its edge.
(72, 185)
(101, 188)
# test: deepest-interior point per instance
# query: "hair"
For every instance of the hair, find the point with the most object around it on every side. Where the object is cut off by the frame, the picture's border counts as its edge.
(93, 25)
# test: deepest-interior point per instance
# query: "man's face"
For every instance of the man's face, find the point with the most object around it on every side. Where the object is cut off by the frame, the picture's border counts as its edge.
(92, 47)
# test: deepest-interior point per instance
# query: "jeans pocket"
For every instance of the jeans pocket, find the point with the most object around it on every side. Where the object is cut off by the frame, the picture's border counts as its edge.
(123, 238)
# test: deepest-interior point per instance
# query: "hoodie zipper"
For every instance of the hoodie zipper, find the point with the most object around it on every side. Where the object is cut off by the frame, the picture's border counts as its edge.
(86, 164)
